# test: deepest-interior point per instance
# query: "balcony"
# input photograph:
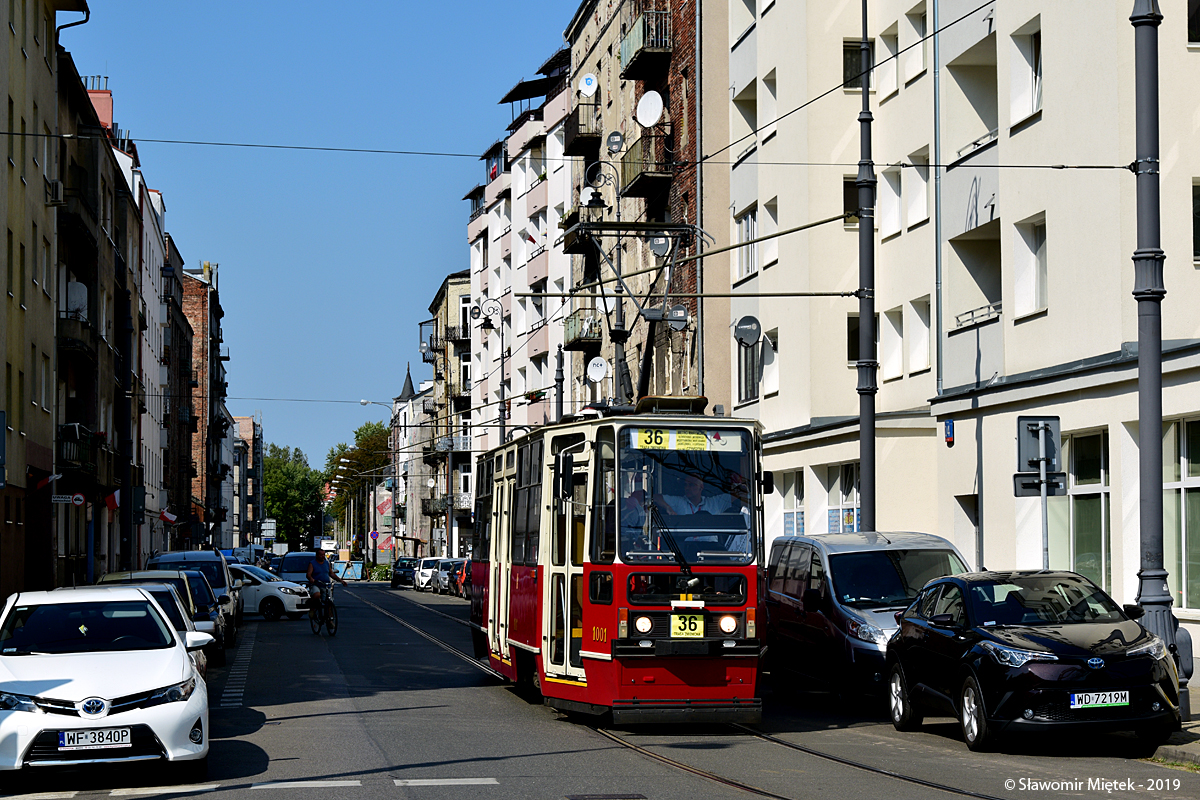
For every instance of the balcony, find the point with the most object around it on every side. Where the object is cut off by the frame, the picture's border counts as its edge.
(583, 329)
(536, 198)
(538, 266)
(539, 342)
(582, 131)
(645, 168)
(429, 406)
(75, 449)
(458, 333)
(455, 444)
(646, 48)
(75, 335)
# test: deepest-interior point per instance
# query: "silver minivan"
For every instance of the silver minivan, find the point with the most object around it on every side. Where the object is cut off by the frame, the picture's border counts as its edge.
(832, 600)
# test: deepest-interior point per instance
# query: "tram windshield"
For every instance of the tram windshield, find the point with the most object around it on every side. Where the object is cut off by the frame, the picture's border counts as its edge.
(685, 496)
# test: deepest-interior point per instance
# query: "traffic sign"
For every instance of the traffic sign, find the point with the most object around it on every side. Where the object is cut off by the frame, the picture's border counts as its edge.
(1027, 443)
(60, 498)
(374, 534)
(77, 499)
(1028, 484)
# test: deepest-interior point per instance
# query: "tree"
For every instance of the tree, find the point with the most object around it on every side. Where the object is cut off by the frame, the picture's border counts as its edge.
(292, 493)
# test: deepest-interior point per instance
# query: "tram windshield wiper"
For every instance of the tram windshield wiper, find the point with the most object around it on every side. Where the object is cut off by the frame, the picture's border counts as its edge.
(676, 551)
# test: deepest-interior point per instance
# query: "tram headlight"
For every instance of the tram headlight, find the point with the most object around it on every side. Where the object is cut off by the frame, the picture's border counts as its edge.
(643, 624)
(728, 624)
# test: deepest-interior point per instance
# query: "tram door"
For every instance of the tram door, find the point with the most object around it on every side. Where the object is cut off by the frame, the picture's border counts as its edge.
(563, 620)
(501, 566)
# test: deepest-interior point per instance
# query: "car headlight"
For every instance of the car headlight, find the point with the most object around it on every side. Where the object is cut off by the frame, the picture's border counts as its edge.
(865, 631)
(1155, 648)
(1012, 657)
(643, 624)
(173, 694)
(290, 590)
(728, 624)
(18, 702)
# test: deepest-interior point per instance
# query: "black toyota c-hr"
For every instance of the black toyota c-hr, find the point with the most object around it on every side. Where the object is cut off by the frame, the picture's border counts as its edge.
(1029, 651)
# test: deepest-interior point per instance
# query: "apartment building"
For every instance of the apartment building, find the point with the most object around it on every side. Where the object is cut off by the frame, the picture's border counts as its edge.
(446, 443)
(998, 295)
(29, 193)
(637, 166)
(247, 479)
(180, 421)
(202, 307)
(412, 414)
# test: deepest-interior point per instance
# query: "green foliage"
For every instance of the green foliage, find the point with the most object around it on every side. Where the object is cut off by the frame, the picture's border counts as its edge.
(366, 463)
(383, 572)
(292, 493)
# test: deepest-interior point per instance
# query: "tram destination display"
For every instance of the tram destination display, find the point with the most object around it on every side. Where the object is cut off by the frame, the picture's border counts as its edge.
(684, 439)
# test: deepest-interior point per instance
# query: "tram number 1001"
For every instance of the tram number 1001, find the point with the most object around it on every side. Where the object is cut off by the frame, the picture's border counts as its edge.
(599, 634)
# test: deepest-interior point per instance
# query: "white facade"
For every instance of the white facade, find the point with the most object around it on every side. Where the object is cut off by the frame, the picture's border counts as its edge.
(1000, 291)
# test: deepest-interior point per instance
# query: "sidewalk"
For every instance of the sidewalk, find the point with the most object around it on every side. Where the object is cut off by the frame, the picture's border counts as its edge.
(1184, 746)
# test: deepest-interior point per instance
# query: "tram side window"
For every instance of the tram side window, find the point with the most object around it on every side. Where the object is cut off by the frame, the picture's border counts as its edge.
(604, 499)
(481, 538)
(527, 516)
(563, 511)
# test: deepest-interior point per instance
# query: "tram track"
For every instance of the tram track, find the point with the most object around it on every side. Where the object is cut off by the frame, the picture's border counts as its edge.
(674, 763)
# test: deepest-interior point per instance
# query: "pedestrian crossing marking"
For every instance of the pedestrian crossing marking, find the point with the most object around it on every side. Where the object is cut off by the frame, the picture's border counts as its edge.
(138, 791)
(447, 782)
(304, 784)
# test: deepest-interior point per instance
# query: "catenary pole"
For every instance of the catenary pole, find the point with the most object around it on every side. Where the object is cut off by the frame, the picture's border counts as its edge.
(867, 365)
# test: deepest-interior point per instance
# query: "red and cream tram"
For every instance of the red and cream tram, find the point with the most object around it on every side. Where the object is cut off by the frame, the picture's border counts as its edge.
(618, 563)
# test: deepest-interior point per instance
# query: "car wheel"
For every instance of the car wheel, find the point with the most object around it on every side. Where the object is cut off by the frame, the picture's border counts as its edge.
(904, 715)
(1151, 738)
(972, 717)
(272, 608)
(193, 771)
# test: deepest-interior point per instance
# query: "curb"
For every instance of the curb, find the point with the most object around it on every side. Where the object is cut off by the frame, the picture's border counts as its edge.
(1175, 753)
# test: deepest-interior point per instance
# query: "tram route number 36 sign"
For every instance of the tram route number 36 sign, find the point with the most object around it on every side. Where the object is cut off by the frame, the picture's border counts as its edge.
(674, 439)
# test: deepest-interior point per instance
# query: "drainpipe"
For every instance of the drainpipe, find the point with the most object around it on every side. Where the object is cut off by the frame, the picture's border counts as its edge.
(699, 145)
(87, 14)
(937, 193)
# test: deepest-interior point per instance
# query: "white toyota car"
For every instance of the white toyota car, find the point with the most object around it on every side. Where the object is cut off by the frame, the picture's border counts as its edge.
(268, 594)
(98, 675)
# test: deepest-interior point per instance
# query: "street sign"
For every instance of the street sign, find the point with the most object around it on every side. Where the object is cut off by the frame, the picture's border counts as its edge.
(61, 498)
(1028, 484)
(1027, 443)
(77, 499)
(374, 534)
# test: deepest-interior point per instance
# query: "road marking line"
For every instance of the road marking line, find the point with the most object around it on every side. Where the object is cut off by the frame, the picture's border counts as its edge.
(447, 782)
(148, 790)
(45, 796)
(303, 784)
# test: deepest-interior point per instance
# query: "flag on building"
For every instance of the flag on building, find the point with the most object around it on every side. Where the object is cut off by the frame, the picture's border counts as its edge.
(167, 517)
(113, 501)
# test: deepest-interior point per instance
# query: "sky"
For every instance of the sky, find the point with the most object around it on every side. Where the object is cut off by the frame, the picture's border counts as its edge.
(328, 261)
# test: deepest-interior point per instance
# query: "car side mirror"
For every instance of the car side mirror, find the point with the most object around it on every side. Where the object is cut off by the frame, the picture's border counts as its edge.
(1133, 611)
(768, 482)
(899, 617)
(811, 600)
(239, 583)
(943, 620)
(224, 600)
(196, 640)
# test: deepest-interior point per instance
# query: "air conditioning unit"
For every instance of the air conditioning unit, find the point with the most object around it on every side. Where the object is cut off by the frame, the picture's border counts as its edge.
(54, 193)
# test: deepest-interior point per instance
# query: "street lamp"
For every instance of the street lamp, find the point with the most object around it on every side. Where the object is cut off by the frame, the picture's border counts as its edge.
(617, 333)
(489, 308)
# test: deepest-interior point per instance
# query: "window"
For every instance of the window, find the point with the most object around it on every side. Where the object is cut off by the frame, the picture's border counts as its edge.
(770, 225)
(47, 143)
(35, 266)
(8, 393)
(527, 512)
(1193, 22)
(748, 370)
(769, 111)
(850, 200)
(791, 486)
(1181, 510)
(917, 329)
(888, 70)
(21, 401)
(46, 266)
(889, 202)
(917, 189)
(8, 258)
(24, 149)
(769, 353)
(1027, 70)
(1080, 522)
(892, 341)
(12, 118)
(852, 77)
(45, 382)
(747, 229)
(913, 60)
(842, 487)
(1196, 219)
(22, 275)
(1030, 267)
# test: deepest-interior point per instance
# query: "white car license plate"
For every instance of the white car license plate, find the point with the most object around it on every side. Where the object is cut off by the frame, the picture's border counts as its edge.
(1099, 699)
(94, 739)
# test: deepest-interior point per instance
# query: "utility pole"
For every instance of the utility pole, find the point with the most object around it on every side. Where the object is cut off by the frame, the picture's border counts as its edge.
(1149, 289)
(867, 363)
(559, 380)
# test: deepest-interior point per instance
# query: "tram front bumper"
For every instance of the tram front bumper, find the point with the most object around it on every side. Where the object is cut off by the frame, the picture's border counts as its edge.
(723, 648)
(664, 711)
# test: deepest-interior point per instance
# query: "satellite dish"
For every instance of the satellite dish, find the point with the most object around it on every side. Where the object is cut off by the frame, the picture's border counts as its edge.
(660, 245)
(649, 109)
(588, 85)
(597, 369)
(747, 331)
(475, 312)
(615, 142)
(677, 317)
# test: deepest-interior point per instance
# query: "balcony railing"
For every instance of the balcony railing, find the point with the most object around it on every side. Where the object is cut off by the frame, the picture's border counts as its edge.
(429, 406)
(583, 329)
(458, 333)
(456, 444)
(582, 130)
(645, 168)
(646, 48)
(977, 315)
(76, 453)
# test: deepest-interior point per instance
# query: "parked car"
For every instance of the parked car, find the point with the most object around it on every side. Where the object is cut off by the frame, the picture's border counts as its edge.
(269, 594)
(424, 574)
(1030, 651)
(443, 580)
(179, 611)
(274, 565)
(173, 578)
(402, 572)
(831, 601)
(214, 567)
(294, 566)
(212, 616)
(67, 658)
(462, 579)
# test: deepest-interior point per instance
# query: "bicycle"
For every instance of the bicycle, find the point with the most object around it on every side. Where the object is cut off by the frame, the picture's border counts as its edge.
(325, 612)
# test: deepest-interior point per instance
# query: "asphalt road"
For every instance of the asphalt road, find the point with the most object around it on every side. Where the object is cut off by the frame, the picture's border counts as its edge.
(381, 711)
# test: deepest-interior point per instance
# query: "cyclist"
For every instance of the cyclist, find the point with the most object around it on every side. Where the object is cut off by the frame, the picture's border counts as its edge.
(319, 573)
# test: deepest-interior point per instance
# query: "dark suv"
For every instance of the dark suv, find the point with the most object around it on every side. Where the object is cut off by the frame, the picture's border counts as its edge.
(402, 572)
